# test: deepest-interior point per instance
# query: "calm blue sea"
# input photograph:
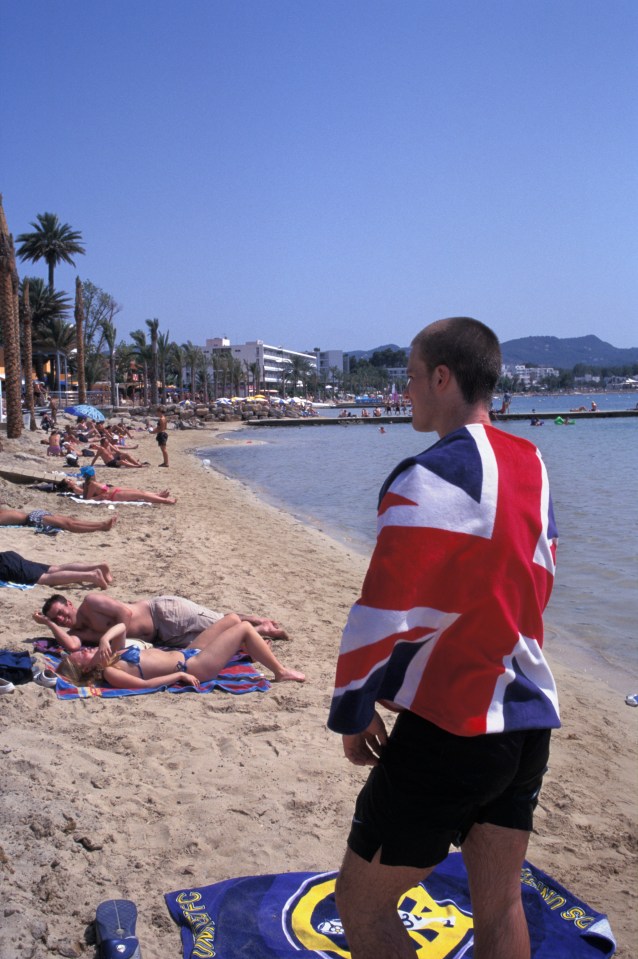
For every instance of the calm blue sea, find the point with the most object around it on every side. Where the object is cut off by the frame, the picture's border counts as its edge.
(329, 477)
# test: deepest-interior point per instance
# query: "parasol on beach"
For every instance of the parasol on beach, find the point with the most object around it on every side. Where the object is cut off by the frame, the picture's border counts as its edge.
(85, 409)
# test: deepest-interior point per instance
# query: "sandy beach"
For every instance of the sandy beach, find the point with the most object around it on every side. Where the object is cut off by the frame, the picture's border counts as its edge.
(135, 797)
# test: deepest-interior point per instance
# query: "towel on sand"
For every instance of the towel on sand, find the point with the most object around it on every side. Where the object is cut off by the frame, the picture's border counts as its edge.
(108, 502)
(294, 914)
(237, 677)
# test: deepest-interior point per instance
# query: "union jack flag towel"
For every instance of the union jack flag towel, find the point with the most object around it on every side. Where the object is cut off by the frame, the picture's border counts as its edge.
(294, 915)
(449, 623)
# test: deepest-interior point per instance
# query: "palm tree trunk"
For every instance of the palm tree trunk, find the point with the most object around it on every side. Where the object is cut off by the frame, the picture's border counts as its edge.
(9, 325)
(79, 336)
(27, 356)
(154, 372)
(114, 396)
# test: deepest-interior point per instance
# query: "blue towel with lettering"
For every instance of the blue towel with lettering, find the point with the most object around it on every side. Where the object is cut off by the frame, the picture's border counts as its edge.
(294, 915)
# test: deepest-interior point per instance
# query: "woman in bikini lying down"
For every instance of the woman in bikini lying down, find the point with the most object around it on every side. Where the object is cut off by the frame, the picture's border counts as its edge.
(90, 489)
(134, 668)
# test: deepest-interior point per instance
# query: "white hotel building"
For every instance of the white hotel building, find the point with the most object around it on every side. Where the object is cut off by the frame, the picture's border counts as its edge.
(271, 359)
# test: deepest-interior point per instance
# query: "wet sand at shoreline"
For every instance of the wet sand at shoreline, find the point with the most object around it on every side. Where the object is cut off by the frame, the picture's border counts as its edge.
(134, 797)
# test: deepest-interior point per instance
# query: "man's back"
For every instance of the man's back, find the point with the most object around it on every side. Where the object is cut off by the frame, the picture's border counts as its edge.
(454, 595)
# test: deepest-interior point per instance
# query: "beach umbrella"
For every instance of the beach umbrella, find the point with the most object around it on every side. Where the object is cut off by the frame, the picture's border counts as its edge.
(84, 409)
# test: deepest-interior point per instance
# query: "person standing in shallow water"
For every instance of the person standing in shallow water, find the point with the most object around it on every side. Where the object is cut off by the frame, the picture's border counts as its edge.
(161, 431)
(448, 632)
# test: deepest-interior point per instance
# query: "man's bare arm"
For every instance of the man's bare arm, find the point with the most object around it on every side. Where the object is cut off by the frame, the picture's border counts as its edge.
(68, 641)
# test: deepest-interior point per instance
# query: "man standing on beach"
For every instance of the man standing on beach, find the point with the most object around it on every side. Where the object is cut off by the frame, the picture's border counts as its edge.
(448, 632)
(161, 431)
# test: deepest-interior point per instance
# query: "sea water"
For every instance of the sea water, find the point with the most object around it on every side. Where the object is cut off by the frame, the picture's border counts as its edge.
(329, 477)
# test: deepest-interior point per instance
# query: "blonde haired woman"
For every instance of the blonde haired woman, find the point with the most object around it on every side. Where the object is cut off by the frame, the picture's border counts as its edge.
(134, 668)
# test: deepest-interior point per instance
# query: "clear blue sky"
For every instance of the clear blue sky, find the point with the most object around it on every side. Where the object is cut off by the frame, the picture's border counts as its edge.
(333, 173)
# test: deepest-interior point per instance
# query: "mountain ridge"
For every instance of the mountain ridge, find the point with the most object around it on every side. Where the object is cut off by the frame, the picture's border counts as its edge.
(559, 352)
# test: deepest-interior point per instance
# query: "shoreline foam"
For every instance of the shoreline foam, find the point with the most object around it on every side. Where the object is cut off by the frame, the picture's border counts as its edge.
(132, 798)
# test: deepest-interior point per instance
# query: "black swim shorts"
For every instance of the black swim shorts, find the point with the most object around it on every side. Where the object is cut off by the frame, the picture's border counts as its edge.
(15, 569)
(431, 786)
(162, 438)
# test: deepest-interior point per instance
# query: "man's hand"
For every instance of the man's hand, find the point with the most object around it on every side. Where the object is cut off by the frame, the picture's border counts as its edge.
(364, 749)
(41, 618)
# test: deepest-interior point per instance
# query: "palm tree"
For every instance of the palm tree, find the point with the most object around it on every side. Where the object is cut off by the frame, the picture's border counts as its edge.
(249, 376)
(163, 355)
(153, 326)
(298, 369)
(94, 368)
(191, 359)
(203, 364)
(79, 337)
(57, 337)
(51, 241)
(235, 375)
(142, 351)
(178, 360)
(27, 353)
(10, 328)
(255, 371)
(110, 335)
(46, 305)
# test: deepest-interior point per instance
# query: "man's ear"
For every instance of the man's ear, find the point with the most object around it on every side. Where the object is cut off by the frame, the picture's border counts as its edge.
(441, 377)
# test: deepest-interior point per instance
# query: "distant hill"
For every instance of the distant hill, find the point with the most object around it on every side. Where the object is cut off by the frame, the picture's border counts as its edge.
(547, 351)
(566, 353)
(366, 354)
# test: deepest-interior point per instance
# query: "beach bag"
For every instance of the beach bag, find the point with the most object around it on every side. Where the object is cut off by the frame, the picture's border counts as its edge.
(15, 667)
(72, 459)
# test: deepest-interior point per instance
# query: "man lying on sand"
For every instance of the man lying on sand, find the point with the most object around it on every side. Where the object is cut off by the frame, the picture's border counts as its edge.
(40, 519)
(168, 621)
(14, 568)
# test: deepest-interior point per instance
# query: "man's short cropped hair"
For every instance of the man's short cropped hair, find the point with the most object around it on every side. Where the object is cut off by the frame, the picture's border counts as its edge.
(468, 348)
(56, 598)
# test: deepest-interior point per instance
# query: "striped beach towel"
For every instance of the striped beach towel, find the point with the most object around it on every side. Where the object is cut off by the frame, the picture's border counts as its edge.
(238, 677)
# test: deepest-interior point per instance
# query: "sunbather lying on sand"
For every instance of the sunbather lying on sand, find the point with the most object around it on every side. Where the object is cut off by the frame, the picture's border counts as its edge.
(162, 620)
(135, 668)
(16, 569)
(40, 519)
(90, 489)
(115, 457)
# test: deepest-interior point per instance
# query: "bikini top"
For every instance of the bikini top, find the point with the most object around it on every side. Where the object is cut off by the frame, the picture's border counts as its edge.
(131, 655)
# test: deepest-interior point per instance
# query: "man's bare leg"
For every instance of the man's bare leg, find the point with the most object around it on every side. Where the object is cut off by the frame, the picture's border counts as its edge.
(65, 577)
(72, 525)
(83, 568)
(367, 896)
(494, 857)
(266, 627)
